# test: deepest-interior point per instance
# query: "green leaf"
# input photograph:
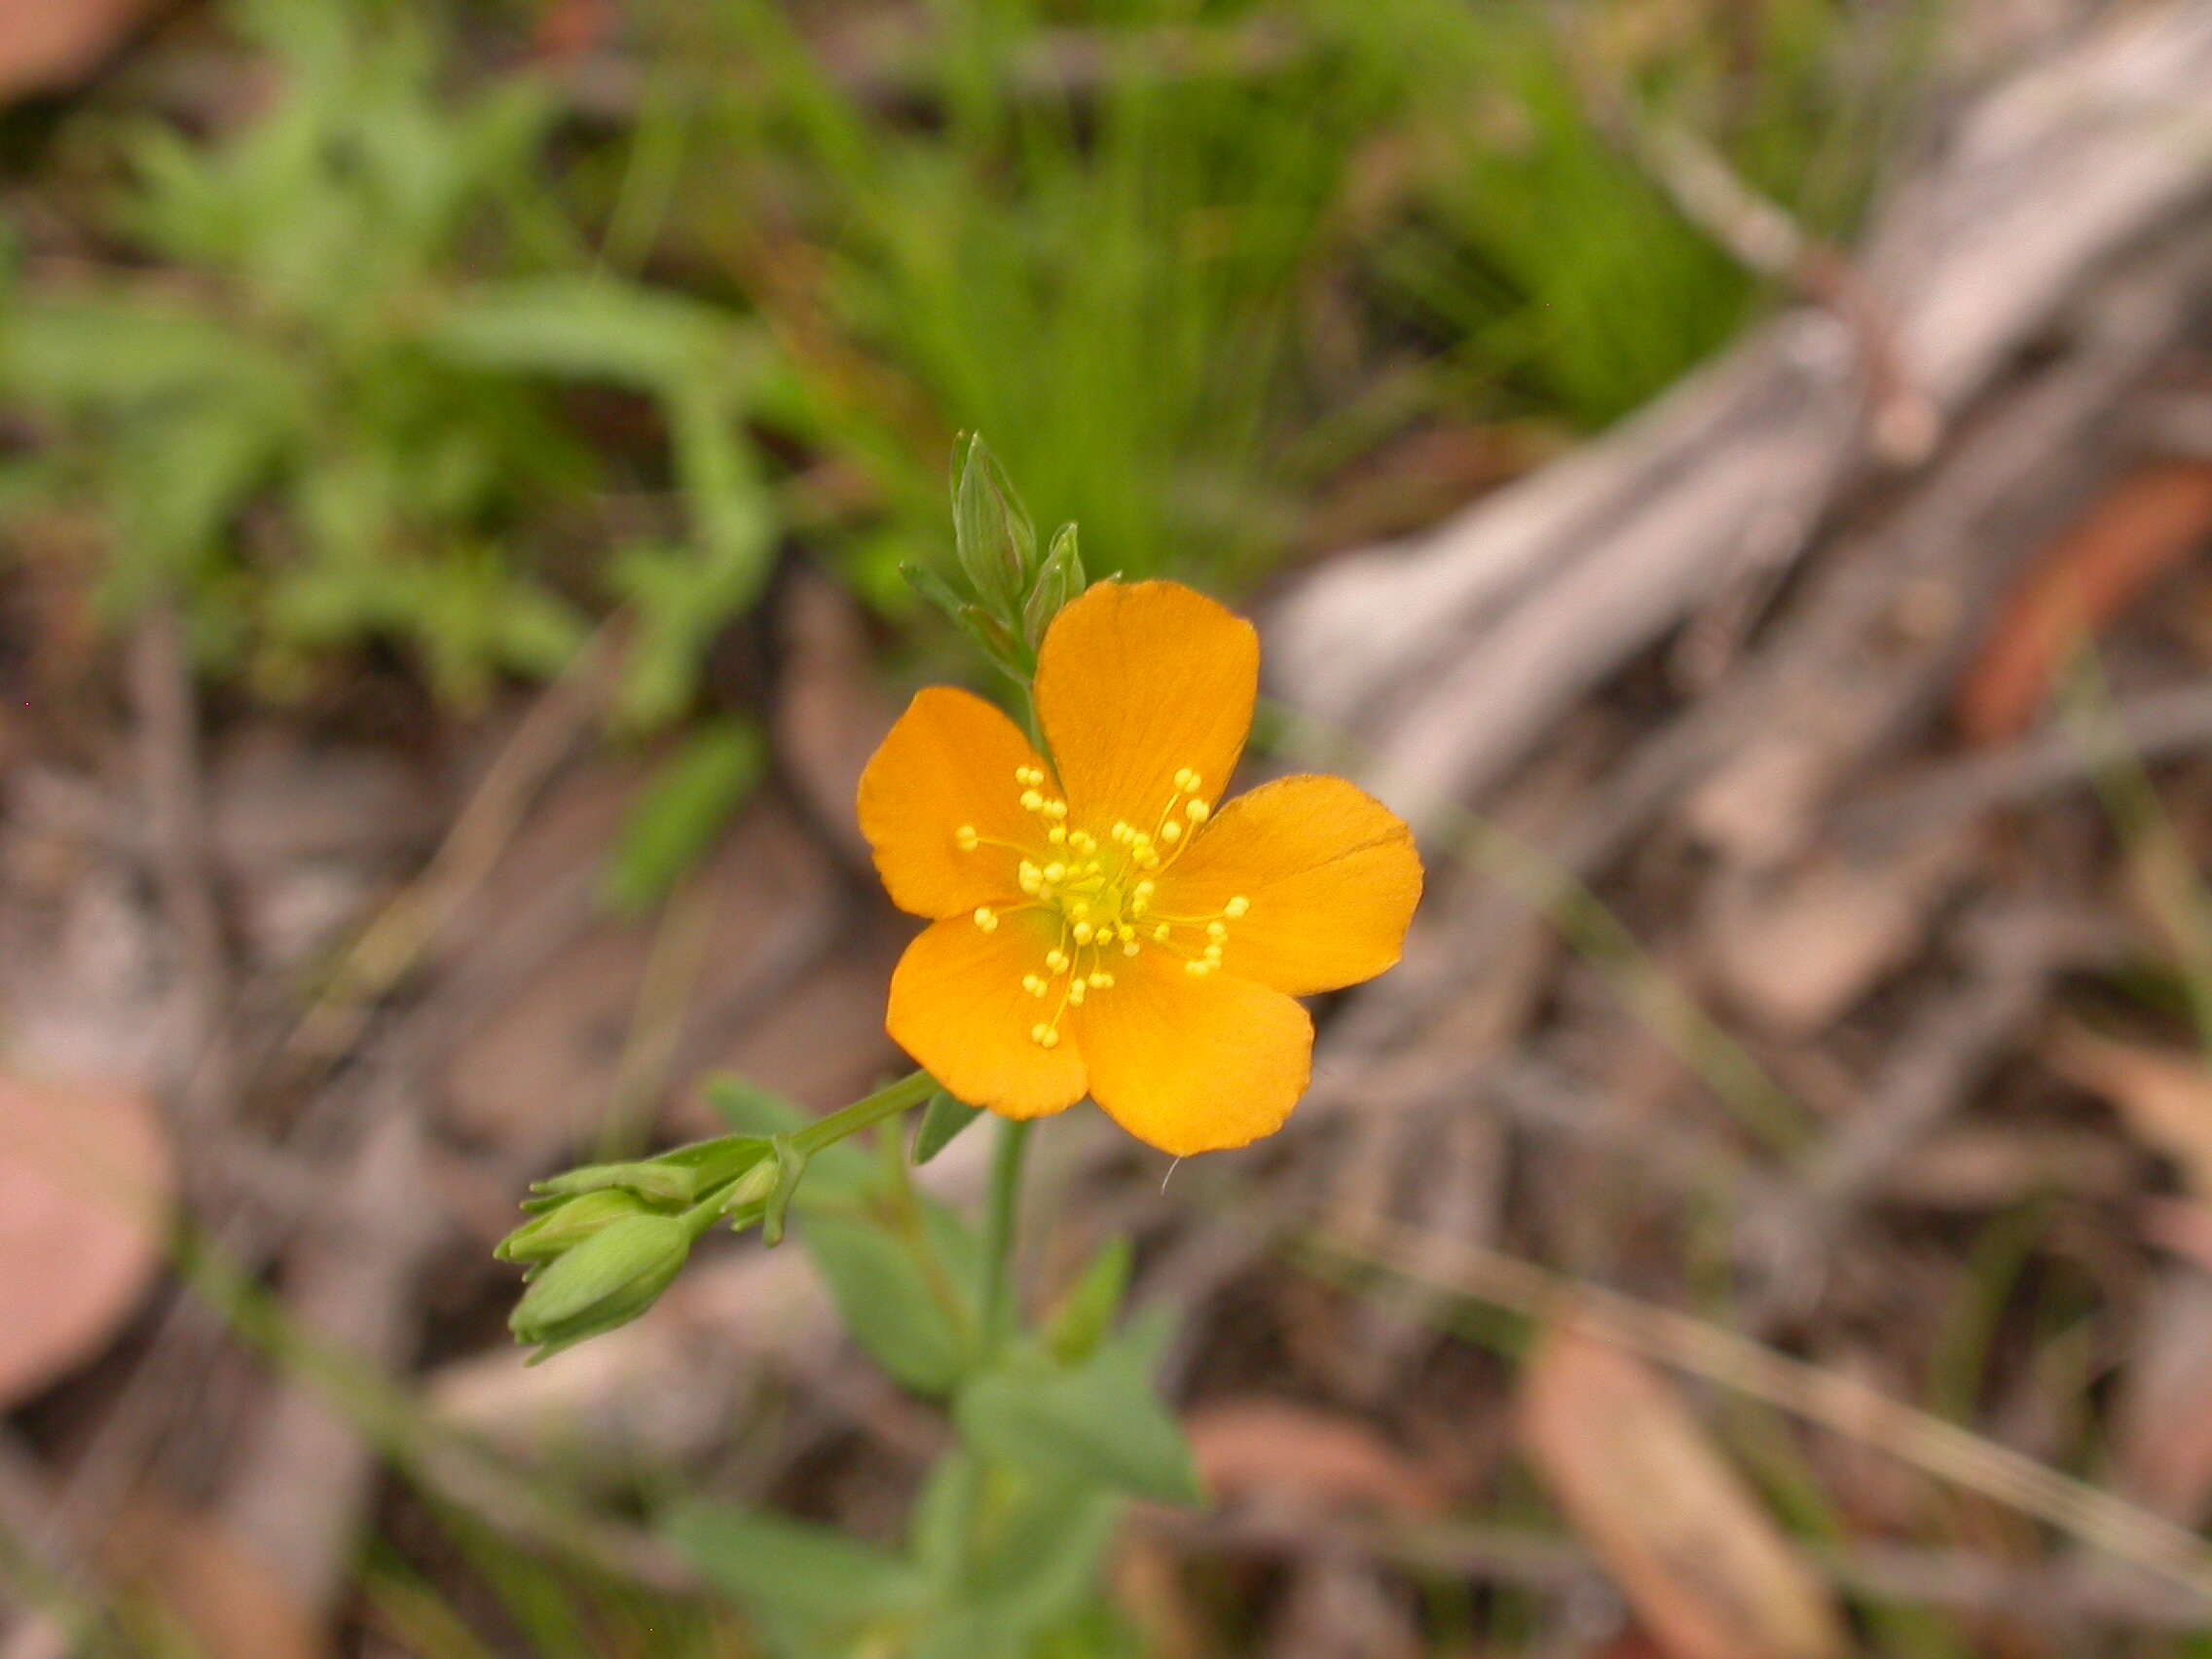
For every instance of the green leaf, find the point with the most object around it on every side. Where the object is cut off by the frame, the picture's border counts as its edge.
(1100, 1422)
(943, 1119)
(1087, 1312)
(578, 326)
(678, 818)
(815, 1589)
(897, 1310)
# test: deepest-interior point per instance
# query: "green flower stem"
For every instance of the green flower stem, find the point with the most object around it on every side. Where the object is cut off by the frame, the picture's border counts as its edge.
(886, 1102)
(1002, 1201)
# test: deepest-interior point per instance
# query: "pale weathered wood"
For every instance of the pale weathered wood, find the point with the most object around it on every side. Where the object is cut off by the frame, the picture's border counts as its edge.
(1448, 655)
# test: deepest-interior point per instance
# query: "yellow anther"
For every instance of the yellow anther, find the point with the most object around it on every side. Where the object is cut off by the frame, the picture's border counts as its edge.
(1034, 984)
(1214, 930)
(1079, 911)
(1044, 1037)
(1145, 889)
(1197, 968)
(1159, 932)
(1028, 776)
(1121, 833)
(1084, 932)
(1100, 979)
(1056, 872)
(987, 918)
(1032, 802)
(1074, 993)
(1131, 947)
(1146, 857)
(1188, 781)
(1056, 809)
(1139, 904)
(1031, 877)
(1198, 811)
(1124, 932)
(1171, 831)
(966, 837)
(1056, 961)
(1058, 835)
(1213, 954)
(1235, 908)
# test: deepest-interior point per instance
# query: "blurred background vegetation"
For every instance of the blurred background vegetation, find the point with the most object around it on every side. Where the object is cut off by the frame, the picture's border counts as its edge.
(450, 334)
(402, 353)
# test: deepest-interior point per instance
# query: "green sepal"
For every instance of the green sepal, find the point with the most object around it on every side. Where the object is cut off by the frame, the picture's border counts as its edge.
(943, 1119)
(566, 1223)
(603, 1283)
(677, 1177)
(791, 1168)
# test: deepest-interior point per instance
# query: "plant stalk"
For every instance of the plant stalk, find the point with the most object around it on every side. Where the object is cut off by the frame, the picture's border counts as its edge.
(1001, 1205)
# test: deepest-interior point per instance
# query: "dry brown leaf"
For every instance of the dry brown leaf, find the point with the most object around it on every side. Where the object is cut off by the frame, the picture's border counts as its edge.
(1292, 1451)
(84, 1187)
(2145, 525)
(196, 1573)
(2163, 1422)
(45, 43)
(1796, 951)
(1707, 1571)
(2165, 1096)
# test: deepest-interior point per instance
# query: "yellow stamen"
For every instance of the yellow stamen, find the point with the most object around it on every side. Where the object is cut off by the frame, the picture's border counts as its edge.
(1084, 932)
(987, 918)
(1171, 831)
(1044, 1036)
(966, 837)
(1035, 985)
(1074, 993)
(1056, 961)
(1198, 811)
(1235, 908)
(1031, 801)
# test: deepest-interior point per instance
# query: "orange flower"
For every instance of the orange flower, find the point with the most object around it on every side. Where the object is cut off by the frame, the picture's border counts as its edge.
(1102, 923)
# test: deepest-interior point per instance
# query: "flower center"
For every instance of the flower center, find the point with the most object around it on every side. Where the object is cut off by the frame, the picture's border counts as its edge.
(1099, 896)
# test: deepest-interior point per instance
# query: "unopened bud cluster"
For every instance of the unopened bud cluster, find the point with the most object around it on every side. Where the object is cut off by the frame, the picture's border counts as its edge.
(604, 1241)
(1013, 592)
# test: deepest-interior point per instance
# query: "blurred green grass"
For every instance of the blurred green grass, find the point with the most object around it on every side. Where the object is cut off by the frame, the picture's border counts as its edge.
(410, 351)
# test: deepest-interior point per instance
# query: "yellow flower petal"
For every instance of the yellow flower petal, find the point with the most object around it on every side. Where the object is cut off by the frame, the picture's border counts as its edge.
(1193, 1064)
(949, 761)
(958, 1008)
(1329, 875)
(1138, 682)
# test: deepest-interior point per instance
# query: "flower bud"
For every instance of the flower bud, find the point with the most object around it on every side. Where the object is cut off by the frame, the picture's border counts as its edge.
(993, 537)
(556, 1230)
(1058, 580)
(661, 1180)
(604, 1282)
